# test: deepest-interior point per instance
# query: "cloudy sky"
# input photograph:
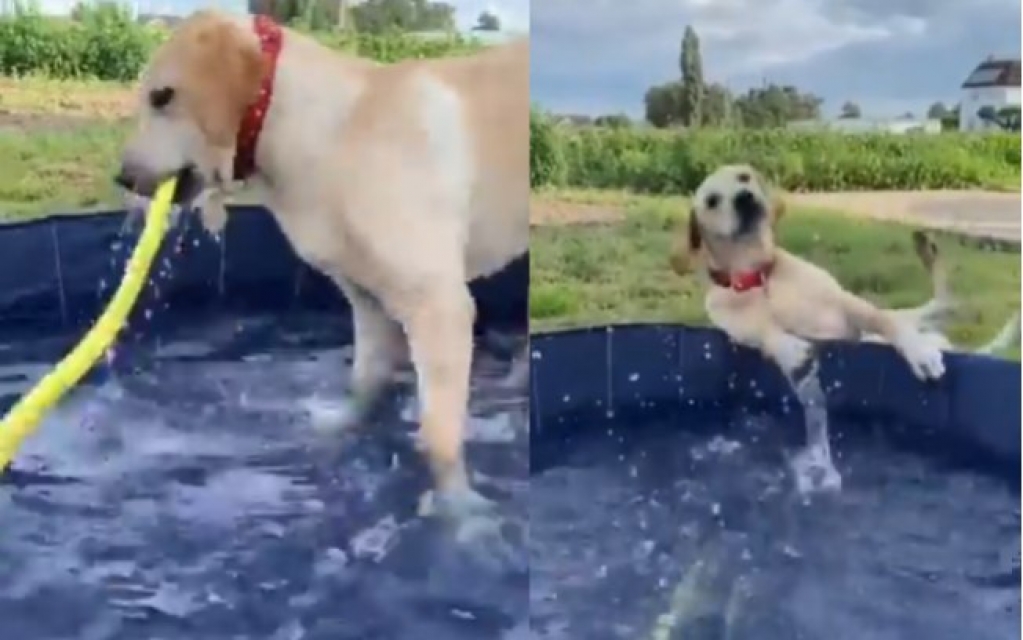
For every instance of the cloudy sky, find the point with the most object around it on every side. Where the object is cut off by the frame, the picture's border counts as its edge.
(514, 14)
(889, 56)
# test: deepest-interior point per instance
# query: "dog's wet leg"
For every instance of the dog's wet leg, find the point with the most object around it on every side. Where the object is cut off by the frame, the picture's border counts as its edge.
(813, 466)
(379, 349)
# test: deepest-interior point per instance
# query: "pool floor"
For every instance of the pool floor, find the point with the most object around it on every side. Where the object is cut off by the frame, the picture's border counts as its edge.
(669, 535)
(192, 500)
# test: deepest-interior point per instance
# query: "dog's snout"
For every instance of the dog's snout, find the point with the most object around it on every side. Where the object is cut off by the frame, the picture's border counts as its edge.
(132, 177)
(124, 178)
(747, 205)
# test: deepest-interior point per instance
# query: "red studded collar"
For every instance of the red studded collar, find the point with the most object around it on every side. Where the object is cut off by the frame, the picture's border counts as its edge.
(741, 281)
(270, 40)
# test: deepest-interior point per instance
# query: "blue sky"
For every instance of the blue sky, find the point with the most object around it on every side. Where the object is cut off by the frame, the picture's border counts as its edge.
(514, 14)
(889, 56)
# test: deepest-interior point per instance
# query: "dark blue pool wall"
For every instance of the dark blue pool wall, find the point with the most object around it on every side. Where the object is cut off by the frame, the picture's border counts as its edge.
(54, 267)
(581, 379)
(585, 379)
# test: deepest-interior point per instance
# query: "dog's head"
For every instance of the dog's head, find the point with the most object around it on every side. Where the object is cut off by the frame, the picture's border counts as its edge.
(193, 96)
(732, 207)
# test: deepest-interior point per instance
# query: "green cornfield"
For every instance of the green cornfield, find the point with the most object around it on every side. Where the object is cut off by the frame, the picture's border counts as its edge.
(105, 43)
(673, 162)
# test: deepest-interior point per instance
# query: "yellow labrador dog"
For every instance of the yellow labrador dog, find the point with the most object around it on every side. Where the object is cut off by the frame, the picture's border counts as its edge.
(769, 299)
(764, 297)
(400, 182)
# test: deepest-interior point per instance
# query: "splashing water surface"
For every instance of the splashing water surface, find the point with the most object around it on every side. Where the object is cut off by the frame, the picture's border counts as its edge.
(674, 533)
(192, 500)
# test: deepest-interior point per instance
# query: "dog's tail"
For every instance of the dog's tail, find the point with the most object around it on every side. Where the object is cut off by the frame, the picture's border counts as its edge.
(1007, 337)
(934, 314)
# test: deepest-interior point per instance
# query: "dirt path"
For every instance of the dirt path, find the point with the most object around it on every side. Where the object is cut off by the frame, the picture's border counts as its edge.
(977, 213)
(43, 122)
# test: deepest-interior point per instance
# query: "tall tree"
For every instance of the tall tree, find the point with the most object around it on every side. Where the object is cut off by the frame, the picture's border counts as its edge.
(850, 111)
(692, 79)
(487, 21)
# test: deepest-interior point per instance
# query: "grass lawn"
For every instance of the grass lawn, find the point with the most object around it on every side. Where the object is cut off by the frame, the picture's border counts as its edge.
(59, 145)
(617, 272)
(59, 169)
(59, 142)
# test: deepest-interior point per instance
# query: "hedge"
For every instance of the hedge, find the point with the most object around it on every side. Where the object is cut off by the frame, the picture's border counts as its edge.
(104, 43)
(664, 162)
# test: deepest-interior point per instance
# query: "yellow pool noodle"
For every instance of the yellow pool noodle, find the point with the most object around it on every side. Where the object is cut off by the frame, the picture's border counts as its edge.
(25, 415)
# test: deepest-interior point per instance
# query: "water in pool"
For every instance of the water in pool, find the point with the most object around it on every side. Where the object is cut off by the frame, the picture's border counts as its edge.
(192, 500)
(672, 535)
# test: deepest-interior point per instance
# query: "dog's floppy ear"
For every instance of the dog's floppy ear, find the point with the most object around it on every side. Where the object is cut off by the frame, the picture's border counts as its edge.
(225, 70)
(683, 253)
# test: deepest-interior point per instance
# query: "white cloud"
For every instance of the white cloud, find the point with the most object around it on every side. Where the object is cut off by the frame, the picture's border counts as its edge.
(601, 56)
(736, 35)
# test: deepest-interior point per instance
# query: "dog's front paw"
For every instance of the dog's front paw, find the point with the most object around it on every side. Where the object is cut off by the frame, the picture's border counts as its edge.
(792, 353)
(815, 472)
(923, 354)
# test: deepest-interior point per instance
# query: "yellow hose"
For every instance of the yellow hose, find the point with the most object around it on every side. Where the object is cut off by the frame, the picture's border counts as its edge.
(24, 417)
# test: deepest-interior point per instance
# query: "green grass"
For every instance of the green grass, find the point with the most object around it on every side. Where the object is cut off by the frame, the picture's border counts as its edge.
(65, 170)
(618, 272)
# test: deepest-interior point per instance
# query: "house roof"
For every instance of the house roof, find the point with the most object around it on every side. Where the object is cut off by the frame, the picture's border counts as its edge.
(995, 72)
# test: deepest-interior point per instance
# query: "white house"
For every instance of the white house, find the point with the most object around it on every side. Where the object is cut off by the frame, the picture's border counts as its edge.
(995, 83)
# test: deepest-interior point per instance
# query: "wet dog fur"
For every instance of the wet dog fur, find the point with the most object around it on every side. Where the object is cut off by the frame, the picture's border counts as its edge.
(400, 182)
(731, 229)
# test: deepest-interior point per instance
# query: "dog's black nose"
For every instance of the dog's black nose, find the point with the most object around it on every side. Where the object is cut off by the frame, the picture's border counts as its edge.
(747, 206)
(124, 180)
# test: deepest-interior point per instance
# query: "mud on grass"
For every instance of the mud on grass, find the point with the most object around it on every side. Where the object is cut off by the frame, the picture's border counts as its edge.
(607, 272)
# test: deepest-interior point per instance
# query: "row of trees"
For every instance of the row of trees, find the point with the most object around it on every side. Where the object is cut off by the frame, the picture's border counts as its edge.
(370, 16)
(693, 102)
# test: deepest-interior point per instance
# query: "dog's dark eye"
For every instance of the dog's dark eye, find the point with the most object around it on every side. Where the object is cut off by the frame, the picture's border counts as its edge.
(161, 97)
(744, 178)
(713, 200)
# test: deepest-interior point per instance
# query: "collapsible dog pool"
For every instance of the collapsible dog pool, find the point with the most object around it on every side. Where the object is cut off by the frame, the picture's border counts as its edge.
(181, 493)
(662, 505)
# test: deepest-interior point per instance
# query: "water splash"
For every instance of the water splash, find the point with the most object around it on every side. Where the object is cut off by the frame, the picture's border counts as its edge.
(813, 466)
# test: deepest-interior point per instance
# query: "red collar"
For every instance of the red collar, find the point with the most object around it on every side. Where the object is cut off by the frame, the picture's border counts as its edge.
(270, 38)
(742, 280)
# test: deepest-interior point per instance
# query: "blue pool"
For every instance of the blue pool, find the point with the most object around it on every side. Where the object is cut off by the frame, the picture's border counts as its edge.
(662, 505)
(182, 493)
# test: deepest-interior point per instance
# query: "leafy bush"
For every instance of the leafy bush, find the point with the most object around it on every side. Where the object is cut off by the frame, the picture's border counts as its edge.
(545, 161)
(105, 43)
(662, 162)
